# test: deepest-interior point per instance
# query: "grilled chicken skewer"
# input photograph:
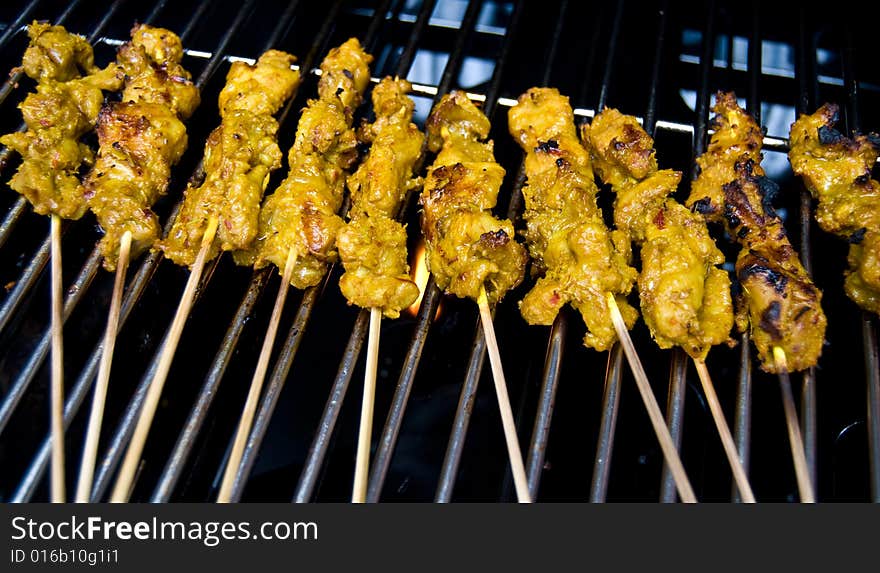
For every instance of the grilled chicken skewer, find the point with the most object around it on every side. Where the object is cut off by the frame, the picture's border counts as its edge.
(837, 171)
(140, 138)
(471, 253)
(239, 156)
(685, 298)
(779, 302)
(299, 222)
(64, 107)
(582, 261)
(372, 245)
(579, 258)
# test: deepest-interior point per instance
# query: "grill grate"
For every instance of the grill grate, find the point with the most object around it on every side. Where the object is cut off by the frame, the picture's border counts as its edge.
(295, 445)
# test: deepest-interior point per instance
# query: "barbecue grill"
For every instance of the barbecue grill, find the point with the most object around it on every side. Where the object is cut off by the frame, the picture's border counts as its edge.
(437, 432)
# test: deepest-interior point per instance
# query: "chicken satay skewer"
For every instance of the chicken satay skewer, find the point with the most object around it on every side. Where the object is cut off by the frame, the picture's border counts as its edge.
(796, 440)
(780, 303)
(372, 244)
(324, 143)
(471, 253)
(131, 172)
(239, 156)
(125, 479)
(63, 108)
(583, 262)
(670, 453)
(685, 297)
(57, 390)
(93, 431)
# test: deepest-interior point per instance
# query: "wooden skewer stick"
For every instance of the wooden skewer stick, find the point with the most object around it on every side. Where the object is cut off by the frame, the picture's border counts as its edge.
(685, 491)
(57, 389)
(365, 432)
(739, 472)
(805, 486)
(96, 416)
(250, 405)
(513, 450)
(125, 480)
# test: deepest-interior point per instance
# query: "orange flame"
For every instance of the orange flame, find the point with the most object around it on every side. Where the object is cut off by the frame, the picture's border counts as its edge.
(420, 277)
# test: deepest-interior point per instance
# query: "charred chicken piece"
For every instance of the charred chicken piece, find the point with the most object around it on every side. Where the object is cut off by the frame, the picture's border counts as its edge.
(578, 258)
(64, 107)
(837, 171)
(372, 246)
(240, 154)
(141, 138)
(685, 297)
(302, 213)
(737, 137)
(467, 247)
(781, 304)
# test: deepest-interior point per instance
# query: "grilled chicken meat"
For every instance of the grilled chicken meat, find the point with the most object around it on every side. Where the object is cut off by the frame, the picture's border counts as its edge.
(240, 155)
(64, 107)
(837, 171)
(737, 137)
(141, 138)
(302, 213)
(372, 246)
(467, 247)
(685, 297)
(579, 259)
(55, 54)
(779, 302)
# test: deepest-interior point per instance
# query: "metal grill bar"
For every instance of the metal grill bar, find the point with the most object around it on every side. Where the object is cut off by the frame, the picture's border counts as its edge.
(808, 380)
(607, 425)
(133, 294)
(314, 460)
(678, 366)
(743, 415)
(544, 415)
(18, 24)
(38, 355)
(556, 342)
(675, 403)
(869, 323)
(611, 390)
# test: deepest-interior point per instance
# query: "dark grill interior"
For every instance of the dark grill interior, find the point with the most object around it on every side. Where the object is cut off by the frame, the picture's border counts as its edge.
(442, 438)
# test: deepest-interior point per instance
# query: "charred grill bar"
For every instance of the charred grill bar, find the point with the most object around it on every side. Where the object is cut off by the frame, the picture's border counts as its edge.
(197, 425)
